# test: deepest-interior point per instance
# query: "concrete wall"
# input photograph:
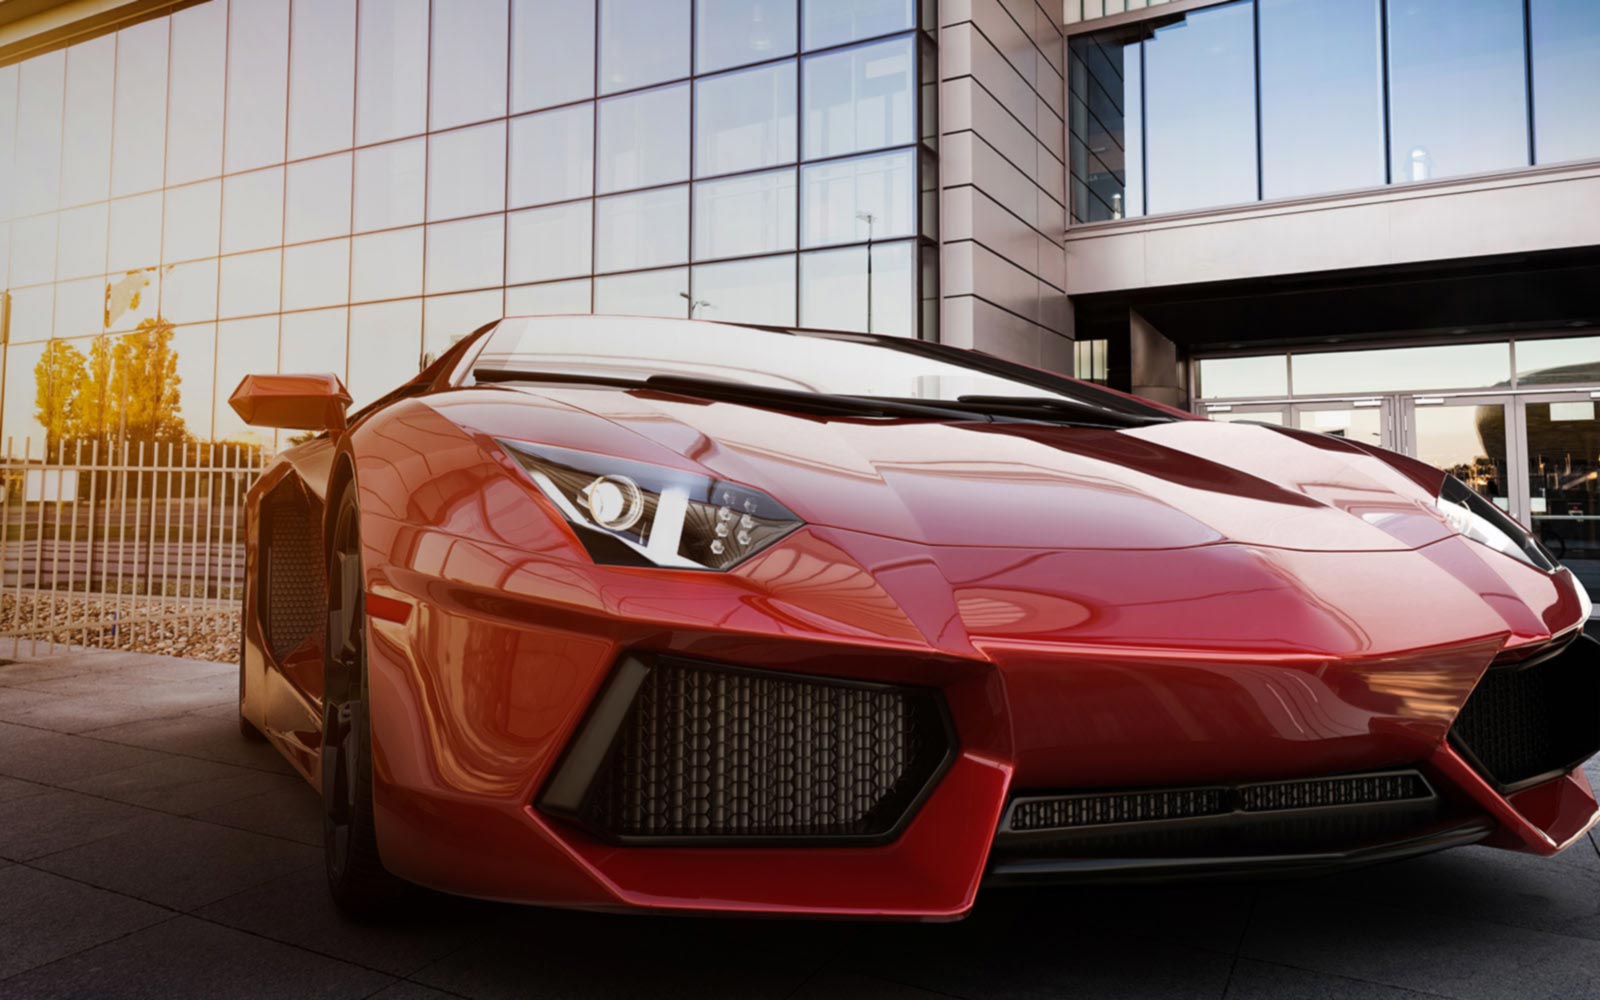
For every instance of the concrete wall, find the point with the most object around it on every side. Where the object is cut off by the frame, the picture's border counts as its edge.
(1545, 208)
(1003, 179)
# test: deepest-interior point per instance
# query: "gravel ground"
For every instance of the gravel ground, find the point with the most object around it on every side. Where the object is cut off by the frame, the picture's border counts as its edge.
(207, 631)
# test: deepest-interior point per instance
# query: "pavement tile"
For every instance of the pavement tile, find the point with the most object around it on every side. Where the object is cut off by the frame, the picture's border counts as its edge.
(56, 820)
(56, 758)
(410, 991)
(12, 788)
(1264, 981)
(184, 957)
(847, 986)
(60, 917)
(16, 702)
(296, 909)
(81, 713)
(1436, 954)
(172, 668)
(66, 665)
(180, 785)
(181, 863)
(199, 736)
(293, 810)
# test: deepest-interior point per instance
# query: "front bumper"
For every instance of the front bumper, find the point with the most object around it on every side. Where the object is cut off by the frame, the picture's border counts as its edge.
(477, 698)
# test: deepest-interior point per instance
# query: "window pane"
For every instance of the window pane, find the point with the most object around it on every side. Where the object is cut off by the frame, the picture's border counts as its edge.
(32, 314)
(319, 199)
(642, 42)
(135, 233)
(243, 348)
(545, 243)
(552, 156)
(833, 290)
(389, 185)
(466, 254)
(388, 340)
(132, 298)
(641, 230)
(386, 265)
(1548, 362)
(467, 171)
(654, 293)
(1103, 128)
(746, 215)
(322, 77)
(40, 96)
(1200, 110)
(249, 284)
(747, 291)
(1566, 83)
(195, 347)
(80, 307)
(1235, 378)
(313, 341)
(469, 62)
(448, 318)
(194, 118)
(552, 53)
(829, 22)
(734, 32)
(1449, 366)
(8, 135)
(252, 210)
(1321, 96)
(81, 248)
(138, 154)
(316, 275)
(554, 299)
(859, 99)
(392, 70)
(258, 74)
(1457, 97)
(33, 250)
(86, 139)
(193, 221)
(745, 120)
(189, 293)
(841, 195)
(644, 139)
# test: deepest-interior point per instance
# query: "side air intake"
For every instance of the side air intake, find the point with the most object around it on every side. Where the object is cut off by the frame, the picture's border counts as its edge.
(677, 751)
(292, 575)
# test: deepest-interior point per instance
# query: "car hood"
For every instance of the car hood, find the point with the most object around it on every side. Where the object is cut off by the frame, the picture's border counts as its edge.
(1033, 485)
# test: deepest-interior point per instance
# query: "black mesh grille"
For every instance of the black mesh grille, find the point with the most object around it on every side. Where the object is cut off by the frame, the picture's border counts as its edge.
(1088, 810)
(292, 570)
(711, 752)
(1535, 721)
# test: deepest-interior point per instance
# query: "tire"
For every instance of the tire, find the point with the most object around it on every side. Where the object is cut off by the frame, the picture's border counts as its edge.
(359, 883)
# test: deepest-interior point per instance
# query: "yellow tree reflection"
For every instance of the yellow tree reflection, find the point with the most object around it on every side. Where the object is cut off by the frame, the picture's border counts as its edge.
(125, 392)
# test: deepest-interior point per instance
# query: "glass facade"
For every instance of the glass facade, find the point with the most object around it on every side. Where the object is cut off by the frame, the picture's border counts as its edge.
(1264, 99)
(351, 185)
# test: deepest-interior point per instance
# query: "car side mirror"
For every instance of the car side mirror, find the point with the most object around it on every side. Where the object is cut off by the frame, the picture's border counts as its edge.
(292, 402)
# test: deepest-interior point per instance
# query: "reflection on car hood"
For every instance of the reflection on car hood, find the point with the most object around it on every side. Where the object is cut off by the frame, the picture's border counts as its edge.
(1034, 485)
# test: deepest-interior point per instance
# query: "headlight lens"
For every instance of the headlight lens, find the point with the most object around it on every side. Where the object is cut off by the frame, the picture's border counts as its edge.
(1483, 522)
(629, 513)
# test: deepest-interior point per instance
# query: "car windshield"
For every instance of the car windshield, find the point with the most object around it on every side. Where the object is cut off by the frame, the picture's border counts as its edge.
(834, 364)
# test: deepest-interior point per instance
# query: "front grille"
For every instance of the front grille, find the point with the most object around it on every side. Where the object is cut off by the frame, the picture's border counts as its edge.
(1523, 724)
(1067, 812)
(711, 752)
(292, 570)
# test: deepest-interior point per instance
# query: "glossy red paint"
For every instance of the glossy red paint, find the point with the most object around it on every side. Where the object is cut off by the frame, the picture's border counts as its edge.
(1225, 603)
(296, 402)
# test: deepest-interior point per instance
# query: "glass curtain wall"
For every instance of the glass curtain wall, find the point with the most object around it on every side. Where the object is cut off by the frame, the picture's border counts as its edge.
(351, 185)
(1263, 99)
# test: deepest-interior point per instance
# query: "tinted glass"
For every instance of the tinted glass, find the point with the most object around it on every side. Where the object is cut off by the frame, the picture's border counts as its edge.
(1321, 96)
(252, 210)
(386, 265)
(1102, 125)
(81, 246)
(1199, 112)
(193, 221)
(552, 156)
(138, 147)
(846, 201)
(194, 116)
(642, 42)
(1566, 79)
(322, 76)
(552, 53)
(1457, 94)
(37, 163)
(740, 216)
(258, 77)
(1549, 362)
(86, 136)
(316, 274)
(551, 299)
(1238, 378)
(833, 289)
(465, 254)
(734, 32)
(653, 293)
(467, 171)
(829, 22)
(387, 338)
(646, 229)
(1448, 366)
(249, 284)
(392, 70)
(745, 120)
(546, 243)
(389, 187)
(644, 139)
(468, 69)
(747, 291)
(318, 196)
(859, 98)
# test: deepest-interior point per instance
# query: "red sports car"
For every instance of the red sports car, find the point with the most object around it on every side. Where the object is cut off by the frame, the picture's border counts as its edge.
(646, 614)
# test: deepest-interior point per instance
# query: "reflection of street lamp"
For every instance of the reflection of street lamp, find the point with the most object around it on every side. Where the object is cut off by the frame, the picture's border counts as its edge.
(868, 218)
(695, 303)
(1421, 164)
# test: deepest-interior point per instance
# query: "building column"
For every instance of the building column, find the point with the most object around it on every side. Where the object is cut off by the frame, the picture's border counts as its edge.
(1157, 372)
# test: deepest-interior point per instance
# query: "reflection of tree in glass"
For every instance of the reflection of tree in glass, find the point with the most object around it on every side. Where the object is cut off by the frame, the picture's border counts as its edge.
(125, 391)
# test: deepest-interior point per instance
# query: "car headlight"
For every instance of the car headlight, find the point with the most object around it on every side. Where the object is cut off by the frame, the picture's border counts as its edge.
(1483, 522)
(630, 513)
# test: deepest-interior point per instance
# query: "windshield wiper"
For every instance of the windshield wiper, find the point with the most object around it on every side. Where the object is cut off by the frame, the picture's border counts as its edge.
(795, 400)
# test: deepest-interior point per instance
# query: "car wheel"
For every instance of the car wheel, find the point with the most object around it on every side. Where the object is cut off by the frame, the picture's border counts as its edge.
(356, 876)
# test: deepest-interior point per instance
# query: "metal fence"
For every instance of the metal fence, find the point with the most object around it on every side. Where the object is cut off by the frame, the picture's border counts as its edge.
(135, 546)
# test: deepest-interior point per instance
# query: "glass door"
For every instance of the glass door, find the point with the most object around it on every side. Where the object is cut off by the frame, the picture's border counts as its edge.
(1367, 421)
(1561, 435)
(1262, 413)
(1467, 437)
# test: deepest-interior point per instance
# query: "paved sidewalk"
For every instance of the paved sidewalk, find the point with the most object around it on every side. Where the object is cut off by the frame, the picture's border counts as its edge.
(147, 850)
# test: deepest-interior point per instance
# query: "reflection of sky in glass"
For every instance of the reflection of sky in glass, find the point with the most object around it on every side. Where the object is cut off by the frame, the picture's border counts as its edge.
(337, 186)
(1446, 366)
(1566, 79)
(1236, 378)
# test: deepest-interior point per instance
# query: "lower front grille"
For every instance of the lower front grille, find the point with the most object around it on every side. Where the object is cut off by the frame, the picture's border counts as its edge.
(1530, 721)
(704, 752)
